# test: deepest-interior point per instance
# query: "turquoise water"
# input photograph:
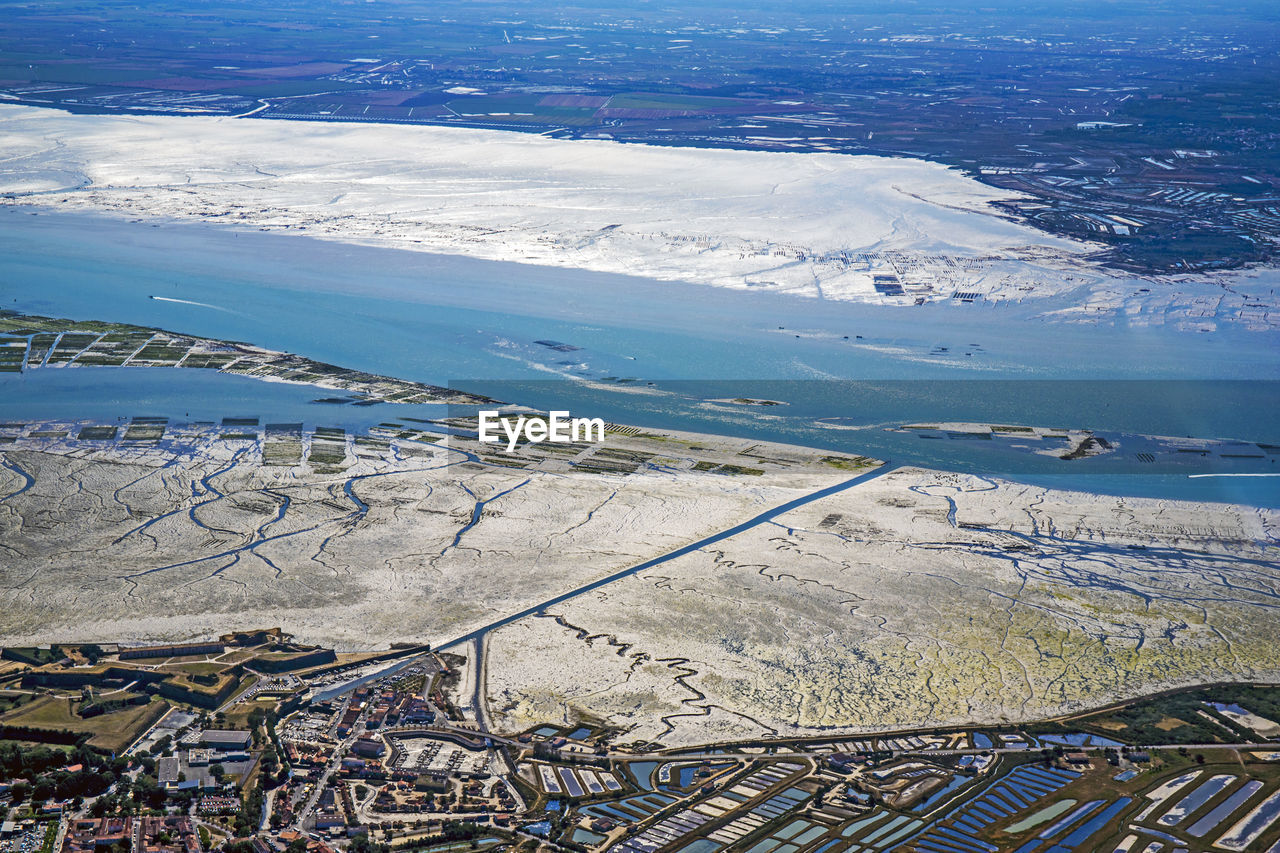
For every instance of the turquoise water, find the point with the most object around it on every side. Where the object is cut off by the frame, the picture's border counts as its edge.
(475, 324)
(643, 773)
(114, 393)
(701, 845)
(439, 317)
(937, 796)
(1079, 739)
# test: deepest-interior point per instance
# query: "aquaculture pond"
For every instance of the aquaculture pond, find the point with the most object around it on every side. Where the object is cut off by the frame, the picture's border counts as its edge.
(642, 771)
(1045, 815)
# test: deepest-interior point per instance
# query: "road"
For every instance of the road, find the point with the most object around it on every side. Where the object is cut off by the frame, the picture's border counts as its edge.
(339, 752)
(332, 692)
(62, 832)
(478, 636)
(767, 515)
(687, 754)
(268, 800)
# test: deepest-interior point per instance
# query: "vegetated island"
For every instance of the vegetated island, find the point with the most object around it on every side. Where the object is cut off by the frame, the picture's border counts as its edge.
(29, 342)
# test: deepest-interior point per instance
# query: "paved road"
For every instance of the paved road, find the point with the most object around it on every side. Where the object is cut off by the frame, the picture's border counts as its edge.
(339, 753)
(478, 635)
(767, 515)
(268, 800)
(62, 832)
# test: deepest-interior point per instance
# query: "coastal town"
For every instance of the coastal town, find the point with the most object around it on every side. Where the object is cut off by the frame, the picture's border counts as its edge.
(519, 427)
(254, 743)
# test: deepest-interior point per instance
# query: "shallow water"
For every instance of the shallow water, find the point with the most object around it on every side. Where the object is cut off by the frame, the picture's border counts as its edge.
(476, 324)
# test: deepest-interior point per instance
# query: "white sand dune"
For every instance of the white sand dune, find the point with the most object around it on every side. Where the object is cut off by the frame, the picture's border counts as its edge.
(731, 218)
(818, 225)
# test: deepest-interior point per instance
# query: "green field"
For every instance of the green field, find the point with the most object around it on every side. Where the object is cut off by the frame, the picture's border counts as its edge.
(651, 101)
(112, 732)
(1180, 717)
(196, 667)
